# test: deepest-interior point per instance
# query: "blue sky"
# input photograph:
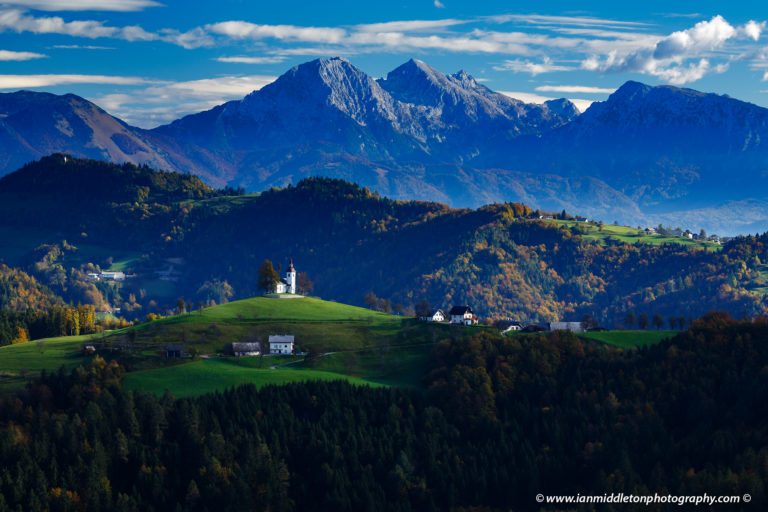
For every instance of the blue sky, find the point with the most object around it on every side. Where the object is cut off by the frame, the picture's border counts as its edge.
(152, 61)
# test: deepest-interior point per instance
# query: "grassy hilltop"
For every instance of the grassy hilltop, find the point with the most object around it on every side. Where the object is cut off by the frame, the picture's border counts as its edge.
(347, 342)
(367, 347)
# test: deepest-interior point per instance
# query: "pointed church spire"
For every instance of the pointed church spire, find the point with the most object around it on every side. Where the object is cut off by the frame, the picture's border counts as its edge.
(290, 266)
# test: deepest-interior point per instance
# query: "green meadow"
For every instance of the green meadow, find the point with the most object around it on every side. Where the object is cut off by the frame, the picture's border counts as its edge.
(317, 325)
(346, 342)
(17, 362)
(629, 235)
(628, 339)
(217, 374)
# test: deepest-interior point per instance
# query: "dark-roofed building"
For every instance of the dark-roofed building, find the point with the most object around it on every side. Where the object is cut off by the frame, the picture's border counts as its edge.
(566, 326)
(462, 315)
(174, 351)
(240, 349)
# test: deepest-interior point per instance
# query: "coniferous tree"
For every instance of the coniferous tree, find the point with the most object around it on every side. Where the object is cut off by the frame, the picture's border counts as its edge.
(268, 277)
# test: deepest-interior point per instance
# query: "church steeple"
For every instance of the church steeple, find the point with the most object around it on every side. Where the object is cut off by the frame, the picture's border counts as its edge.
(290, 277)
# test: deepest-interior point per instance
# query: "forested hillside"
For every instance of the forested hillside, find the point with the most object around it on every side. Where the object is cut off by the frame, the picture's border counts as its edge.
(351, 243)
(19, 291)
(504, 420)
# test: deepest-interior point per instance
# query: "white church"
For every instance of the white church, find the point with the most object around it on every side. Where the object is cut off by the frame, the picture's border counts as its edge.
(287, 284)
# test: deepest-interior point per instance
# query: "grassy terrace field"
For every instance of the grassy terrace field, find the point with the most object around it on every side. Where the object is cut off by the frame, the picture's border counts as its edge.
(17, 362)
(317, 324)
(357, 345)
(628, 339)
(395, 366)
(15, 243)
(368, 347)
(207, 375)
(629, 235)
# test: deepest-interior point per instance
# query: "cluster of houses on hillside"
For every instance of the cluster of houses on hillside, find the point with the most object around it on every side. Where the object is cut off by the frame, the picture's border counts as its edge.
(107, 276)
(687, 234)
(457, 315)
(463, 315)
(282, 344)
(278, 344)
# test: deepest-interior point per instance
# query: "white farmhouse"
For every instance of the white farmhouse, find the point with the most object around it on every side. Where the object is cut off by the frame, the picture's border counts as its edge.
(113, 276)
(434, 316)
(281, 344)
(462, 315)
(288, 283)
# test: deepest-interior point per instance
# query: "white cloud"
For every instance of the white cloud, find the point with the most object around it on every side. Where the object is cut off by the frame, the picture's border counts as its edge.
(681, 15)
(575, 89)
(753, 29)
(704, 36)
(20, 21)
(439, 4)
(409, 25)
(195, 38)
(83, 5)
(580, 21)
(252, 60)
(534, 68)
(6, 55)
(679, 75)
(159, 104)
(321, 51)
(528, 97)
(667, 58)
(765, 78)
(32, 81)
(582, 104)
(246, 30)
(81, 47)
(216, 87)
(17, 20)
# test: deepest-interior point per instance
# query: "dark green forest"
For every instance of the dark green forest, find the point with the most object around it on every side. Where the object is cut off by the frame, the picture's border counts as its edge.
(350, 242)
(499, 420)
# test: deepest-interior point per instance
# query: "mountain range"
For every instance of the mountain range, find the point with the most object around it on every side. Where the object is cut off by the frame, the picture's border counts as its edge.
(647, 155)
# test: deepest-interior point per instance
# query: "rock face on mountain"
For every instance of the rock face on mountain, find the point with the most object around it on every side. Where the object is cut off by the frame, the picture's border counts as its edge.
(645, 155)
(329, 117)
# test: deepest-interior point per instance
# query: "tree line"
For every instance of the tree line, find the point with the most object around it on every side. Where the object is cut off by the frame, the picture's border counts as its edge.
(501, 420)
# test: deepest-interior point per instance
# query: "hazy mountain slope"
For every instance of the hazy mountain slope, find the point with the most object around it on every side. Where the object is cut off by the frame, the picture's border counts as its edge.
(665, 147)
(34, 124)
(646, 155)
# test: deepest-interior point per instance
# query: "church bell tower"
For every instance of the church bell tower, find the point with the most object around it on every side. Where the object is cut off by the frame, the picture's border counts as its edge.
(290, 277)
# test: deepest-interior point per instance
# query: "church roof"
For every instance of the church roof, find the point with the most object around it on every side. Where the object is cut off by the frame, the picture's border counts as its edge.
(290, 266)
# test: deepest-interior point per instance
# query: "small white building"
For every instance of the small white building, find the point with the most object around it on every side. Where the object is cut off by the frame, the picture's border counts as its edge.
(113, 276)
(462, 315)
(281, 344)
(288, 283)
(434, 316)
(509, 326)
(566, 326)
(240, 349)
